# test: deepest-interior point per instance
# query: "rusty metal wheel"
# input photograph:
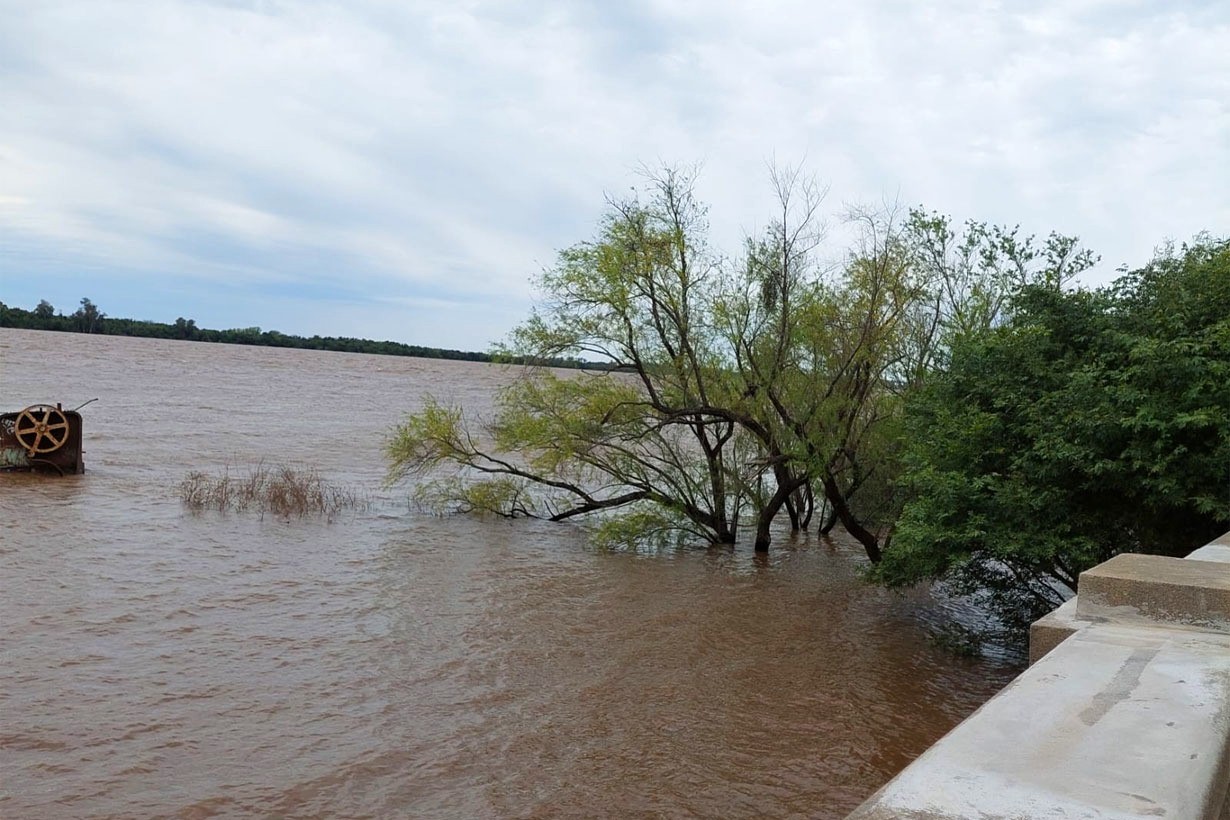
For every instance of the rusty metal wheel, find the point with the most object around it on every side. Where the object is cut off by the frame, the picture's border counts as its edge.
(41, 428)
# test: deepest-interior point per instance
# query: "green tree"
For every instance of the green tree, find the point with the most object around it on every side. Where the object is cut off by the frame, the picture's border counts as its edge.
(88, 318)
(646, 437)
(185, 328)
(1085, 425)
(44, 310)
(858, 345)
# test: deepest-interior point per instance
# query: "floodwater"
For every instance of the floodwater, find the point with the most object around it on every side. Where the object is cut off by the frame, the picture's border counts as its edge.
(157, 663)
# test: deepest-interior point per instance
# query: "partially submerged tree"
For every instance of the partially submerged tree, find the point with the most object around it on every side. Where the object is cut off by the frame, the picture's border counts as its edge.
(640, 296)
(847, 352)
(814, 354)
(739, 391)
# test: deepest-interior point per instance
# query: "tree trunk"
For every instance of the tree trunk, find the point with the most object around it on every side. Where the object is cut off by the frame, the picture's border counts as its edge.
(792, 511)
(830, 520)
(871, 544)
(764, 520)
(763, 538)
(807, 503)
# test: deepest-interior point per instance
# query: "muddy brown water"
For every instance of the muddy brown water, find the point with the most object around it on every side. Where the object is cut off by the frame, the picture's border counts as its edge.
(157, 663)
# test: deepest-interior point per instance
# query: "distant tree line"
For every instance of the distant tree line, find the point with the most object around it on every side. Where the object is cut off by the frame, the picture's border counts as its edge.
(89, 319)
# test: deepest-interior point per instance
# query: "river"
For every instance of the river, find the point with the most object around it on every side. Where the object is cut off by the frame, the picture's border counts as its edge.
(160, 663)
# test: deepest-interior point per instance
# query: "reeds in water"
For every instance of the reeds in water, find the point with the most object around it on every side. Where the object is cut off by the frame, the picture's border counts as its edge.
(283, 490)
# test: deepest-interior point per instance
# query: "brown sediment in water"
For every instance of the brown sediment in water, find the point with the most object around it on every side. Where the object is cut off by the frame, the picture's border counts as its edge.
(159, 662)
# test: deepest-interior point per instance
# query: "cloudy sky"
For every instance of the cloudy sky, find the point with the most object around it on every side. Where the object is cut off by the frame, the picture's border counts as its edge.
(400, 169)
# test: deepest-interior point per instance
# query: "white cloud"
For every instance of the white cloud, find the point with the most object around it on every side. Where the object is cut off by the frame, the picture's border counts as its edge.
(382, 153)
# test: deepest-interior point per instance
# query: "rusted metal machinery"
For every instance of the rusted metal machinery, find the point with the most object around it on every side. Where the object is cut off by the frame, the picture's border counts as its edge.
(41, 437)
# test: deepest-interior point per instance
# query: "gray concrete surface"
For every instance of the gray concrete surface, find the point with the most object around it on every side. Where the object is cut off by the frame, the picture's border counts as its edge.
(1050, 630)
(1155, 588)
(1124, 713)
(1113, 723)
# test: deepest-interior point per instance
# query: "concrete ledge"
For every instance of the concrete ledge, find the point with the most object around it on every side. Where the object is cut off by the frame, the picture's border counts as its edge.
(1125, 712)
(1113, 723)
(1155, 588)
(1143, 588)
(1050, 630)
(1217, 551)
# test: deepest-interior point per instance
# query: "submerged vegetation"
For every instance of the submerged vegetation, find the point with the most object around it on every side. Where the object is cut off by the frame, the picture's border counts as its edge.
(943, 394)
(284, 491)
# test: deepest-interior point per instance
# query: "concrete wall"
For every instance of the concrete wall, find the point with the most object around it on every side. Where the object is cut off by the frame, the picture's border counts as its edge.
(1124, 711)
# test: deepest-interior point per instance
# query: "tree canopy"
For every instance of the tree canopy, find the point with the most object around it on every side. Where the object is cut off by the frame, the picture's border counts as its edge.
(1089, 423)
(741, 387)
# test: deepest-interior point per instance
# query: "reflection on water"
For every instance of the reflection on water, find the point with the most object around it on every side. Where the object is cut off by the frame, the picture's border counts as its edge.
(393, 664)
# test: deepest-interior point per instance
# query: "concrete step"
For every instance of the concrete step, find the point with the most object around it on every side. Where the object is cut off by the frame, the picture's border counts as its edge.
(1054, 628)
(1154, 589)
